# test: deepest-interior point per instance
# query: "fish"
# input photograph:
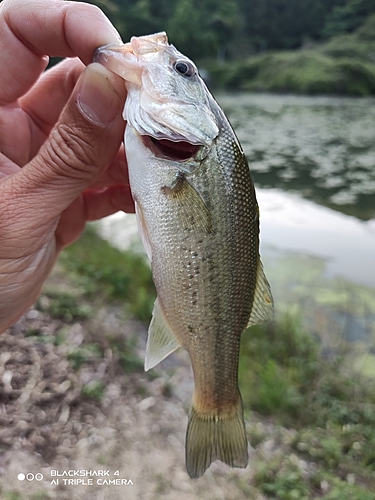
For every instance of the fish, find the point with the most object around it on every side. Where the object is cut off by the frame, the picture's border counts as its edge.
(198, 219)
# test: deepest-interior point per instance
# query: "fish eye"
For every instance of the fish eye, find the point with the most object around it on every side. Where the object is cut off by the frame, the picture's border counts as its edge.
(184, 68)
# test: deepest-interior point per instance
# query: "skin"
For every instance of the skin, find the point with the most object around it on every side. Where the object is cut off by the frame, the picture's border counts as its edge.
(62, 161)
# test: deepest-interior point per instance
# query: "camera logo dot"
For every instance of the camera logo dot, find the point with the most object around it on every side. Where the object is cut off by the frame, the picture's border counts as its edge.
(29, 476)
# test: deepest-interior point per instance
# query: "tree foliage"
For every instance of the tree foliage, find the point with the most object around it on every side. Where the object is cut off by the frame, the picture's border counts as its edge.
(236, 28)
(348, 17)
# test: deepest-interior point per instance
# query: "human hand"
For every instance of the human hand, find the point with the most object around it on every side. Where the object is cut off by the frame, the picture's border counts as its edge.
(61, 159)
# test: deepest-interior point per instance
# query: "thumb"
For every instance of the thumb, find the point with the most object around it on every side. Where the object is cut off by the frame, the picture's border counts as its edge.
(81, 145)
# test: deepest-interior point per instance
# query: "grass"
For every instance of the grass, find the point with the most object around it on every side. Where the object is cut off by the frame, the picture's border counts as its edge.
(283, 372)
(323, 412)
(330, 408)
(93, 390)
(85, 354)
(98, 275)
(14, 495)
(63, 305)
(110, 274)
(56, 339)
(93, 282)
(40, 496)
(277, 364)
(283, 479)
(129, 361)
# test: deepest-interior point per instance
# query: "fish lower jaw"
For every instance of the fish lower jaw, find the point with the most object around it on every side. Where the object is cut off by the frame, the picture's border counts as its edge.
(170, 150)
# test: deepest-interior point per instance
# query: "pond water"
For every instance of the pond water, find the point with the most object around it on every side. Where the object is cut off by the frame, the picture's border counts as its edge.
(313, 164)
(320, 147)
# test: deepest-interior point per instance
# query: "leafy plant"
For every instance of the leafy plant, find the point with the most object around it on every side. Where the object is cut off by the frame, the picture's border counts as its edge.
(84, 354)
(277, 363)
(106, 271)
(283, 480)
(93, 390)
(62, 305)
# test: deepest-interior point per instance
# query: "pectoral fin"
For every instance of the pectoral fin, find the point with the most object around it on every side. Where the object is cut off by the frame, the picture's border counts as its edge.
(161, 340)
(143, 231)
(262, 309)
(191, 208)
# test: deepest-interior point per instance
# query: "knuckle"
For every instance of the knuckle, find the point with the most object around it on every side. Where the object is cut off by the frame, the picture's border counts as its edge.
(71, 154)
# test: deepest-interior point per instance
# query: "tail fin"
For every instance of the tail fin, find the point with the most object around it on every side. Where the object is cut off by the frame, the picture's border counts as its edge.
(211, 437)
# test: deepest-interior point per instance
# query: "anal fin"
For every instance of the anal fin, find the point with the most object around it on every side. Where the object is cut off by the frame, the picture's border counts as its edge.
(161, 340)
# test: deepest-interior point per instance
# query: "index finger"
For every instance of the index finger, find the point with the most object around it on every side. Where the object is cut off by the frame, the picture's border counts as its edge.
(32, 29)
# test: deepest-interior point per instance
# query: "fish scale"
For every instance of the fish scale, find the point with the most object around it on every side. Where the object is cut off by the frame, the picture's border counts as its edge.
(199, 221)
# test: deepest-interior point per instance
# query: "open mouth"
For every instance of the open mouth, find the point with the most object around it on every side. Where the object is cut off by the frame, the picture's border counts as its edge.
(178, 151)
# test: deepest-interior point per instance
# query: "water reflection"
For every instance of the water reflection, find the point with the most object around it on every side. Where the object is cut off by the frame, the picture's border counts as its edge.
(347, 245)
(291, 224)
(320, 262)
(323, 148)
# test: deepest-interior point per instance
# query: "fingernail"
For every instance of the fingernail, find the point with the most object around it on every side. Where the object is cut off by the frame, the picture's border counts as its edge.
(97, 100)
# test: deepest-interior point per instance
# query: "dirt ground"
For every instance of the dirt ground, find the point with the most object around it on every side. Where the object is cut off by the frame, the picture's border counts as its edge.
(134, 433)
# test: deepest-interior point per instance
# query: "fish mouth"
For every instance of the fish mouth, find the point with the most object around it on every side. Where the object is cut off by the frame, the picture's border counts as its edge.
(171, 150)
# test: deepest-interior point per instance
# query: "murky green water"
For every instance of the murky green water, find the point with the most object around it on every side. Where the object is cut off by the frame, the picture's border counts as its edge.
(313, 163)
(321, 147)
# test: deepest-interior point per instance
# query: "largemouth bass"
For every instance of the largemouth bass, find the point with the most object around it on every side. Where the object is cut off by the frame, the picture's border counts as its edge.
(198, 219)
